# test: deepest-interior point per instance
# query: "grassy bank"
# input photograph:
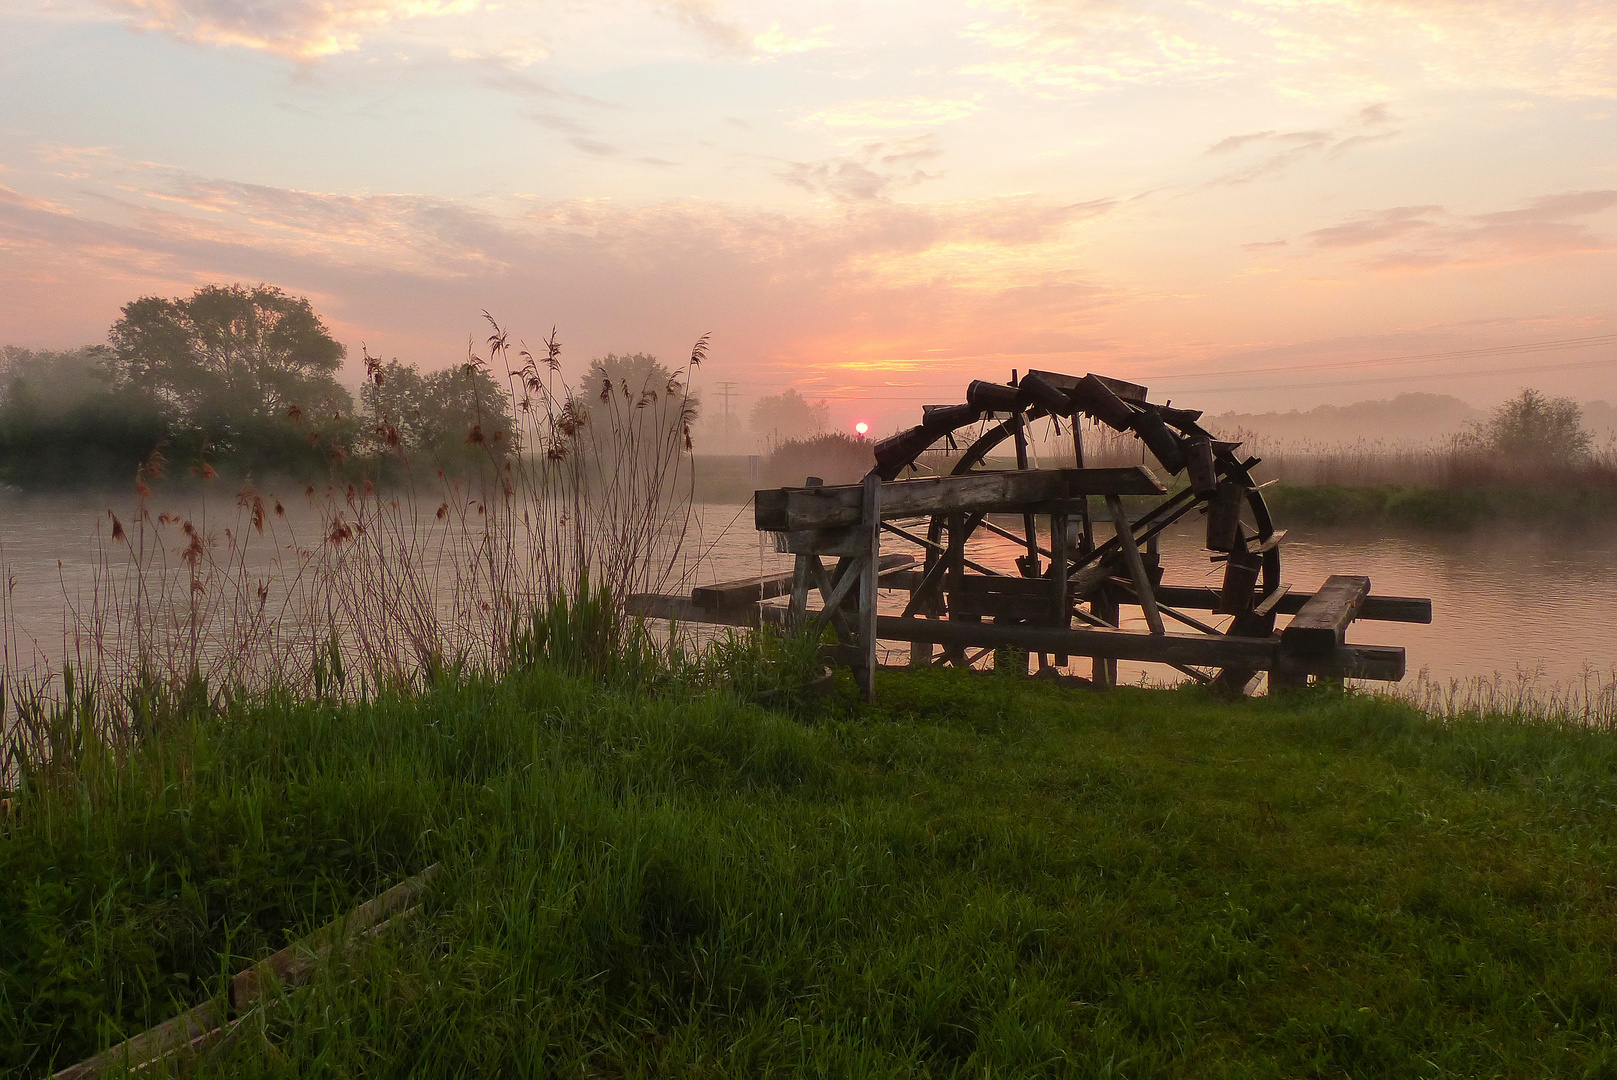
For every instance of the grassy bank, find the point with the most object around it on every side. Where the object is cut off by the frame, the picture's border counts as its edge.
(978, 875)
(1438, 507)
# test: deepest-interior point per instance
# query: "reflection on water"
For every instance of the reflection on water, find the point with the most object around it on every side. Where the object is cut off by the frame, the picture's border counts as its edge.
(1504, 600)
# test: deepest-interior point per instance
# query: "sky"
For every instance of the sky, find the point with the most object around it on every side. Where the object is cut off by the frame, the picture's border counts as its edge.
(1254, 204)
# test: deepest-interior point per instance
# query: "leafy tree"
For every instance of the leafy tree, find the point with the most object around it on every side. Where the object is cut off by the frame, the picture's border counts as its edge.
(636, 400)
(789, 415)
(453, 416)
(67, 418)
(230, 355)
(249, 374)
(1532, 427)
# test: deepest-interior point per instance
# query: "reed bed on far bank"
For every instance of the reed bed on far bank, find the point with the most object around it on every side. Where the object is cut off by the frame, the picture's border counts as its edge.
(1456, 463)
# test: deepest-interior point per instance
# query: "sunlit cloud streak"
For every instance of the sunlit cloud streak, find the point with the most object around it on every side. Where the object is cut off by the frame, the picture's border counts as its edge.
(298, 29)
(1417, 237)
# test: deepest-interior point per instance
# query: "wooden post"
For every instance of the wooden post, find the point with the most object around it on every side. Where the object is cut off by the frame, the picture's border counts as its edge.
(1131, 555)
(1105, 607)
(867, 587)
(1058, 573)
(955, 573)
(1086, 543)
(1029, 564)
(797, 614)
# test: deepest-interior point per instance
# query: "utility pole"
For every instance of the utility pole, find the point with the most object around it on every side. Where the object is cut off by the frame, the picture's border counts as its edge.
(727, 391)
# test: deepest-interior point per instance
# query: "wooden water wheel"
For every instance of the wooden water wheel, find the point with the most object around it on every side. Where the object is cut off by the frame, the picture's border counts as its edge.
(1071, 581)
(1096, 576)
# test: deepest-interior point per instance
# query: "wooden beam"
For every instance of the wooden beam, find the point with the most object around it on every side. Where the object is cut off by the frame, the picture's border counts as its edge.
(921, 541)
(1322, 623)
(1402, 609)
(988, 491)
(1143, 594)
(1126, 390)
(684, 609)
(768, 586)
(1379, 662)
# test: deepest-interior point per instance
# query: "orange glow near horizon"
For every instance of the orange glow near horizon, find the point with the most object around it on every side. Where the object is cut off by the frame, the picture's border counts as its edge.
(1243, 205)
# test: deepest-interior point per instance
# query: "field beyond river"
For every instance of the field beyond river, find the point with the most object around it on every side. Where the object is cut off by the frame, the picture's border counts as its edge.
(978, 875)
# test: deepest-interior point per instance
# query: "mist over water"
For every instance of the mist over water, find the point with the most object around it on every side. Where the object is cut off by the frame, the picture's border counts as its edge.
(1506, 601)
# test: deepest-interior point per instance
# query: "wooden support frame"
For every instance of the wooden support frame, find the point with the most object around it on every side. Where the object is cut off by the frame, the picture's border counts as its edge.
(986, 610)
(799, 510)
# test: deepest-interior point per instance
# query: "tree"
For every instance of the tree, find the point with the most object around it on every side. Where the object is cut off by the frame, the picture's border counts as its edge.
(635, 401)
(231, 357)
(454, 415)
(789, 415)
(1532, 427)
(66, 418)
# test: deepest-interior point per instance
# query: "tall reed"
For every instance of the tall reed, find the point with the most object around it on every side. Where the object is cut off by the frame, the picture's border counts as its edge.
(366, 586)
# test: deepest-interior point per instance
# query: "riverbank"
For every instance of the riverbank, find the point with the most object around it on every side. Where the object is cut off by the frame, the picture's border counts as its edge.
(977, 874)
(1438, 507)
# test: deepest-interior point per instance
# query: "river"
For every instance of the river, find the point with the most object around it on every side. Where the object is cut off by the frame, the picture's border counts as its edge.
(1525, 606)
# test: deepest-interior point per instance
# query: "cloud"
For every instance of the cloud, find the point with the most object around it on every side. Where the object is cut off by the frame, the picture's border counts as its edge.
(777, 42)
(1283, 149)
(873, 172)
(1053, 47)
(298, 29)
(1419, 237)
(1309, 49)
(861, 284)
(702, 16)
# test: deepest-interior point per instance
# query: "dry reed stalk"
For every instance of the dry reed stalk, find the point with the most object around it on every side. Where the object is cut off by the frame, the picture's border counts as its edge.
(590, 488)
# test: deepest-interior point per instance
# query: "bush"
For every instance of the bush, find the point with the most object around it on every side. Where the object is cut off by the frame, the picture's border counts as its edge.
(836, 459)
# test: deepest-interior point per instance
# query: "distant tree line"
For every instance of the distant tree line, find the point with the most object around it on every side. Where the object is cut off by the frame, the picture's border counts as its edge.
(231, 378)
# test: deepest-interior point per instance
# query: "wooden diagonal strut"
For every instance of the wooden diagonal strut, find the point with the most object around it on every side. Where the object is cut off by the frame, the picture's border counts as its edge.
(832, 593)
(1131, 555)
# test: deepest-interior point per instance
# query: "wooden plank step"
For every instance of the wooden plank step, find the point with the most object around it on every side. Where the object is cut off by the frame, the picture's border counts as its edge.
(1402, 609)
(768, 586)
(793, 510)
(1322, 623)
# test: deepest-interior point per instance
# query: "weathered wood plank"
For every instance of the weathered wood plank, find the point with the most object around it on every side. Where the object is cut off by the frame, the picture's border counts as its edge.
(1268, 603)
(1126, 390)
(684, 609)
(1401, 609)
(1322, 623)
(839, 506)
(196, 1028)
(296, 962)
(1378, 662)
(751, 590)
(1016, 608)
(190, 1028)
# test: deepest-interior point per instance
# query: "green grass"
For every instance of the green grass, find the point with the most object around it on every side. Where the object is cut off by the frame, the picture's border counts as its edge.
(977, 876)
